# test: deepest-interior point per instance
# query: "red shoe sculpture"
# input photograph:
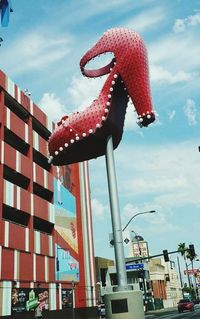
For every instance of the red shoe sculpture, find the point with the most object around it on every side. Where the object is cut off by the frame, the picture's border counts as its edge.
(83, 135)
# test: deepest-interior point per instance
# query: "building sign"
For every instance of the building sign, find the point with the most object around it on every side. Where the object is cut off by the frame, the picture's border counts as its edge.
(67, 266)
(198, 276)
(67, 298)
(140, 249)
(134, 266)
(65, 214)
(28, 299)
(191, 272)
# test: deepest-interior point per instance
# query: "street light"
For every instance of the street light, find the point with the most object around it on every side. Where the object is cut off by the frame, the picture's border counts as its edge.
(148, 212)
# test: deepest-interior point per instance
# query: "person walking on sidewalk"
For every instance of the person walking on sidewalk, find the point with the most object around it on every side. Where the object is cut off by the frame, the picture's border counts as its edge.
(38, 312)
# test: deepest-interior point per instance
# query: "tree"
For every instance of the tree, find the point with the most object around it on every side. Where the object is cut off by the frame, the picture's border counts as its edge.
(188, 253)
(190, 256)
(183, 249)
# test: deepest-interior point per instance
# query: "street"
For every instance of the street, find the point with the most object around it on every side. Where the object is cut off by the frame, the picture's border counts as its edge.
(168, 314)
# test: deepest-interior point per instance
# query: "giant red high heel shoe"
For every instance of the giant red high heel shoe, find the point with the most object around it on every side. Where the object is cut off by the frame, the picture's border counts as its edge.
(83, 135)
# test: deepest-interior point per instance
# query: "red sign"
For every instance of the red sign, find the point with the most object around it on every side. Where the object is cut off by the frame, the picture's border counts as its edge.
(191, 271)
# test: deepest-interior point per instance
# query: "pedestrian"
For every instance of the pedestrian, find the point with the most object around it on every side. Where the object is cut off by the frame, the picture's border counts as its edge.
(38, 312)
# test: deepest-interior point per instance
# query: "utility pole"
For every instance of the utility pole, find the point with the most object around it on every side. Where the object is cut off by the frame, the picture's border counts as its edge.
(180, 276)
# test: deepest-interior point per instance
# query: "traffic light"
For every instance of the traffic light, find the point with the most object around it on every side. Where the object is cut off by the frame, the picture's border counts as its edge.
(165, 254)
(141, 273)
(192, 251)
(112, 242)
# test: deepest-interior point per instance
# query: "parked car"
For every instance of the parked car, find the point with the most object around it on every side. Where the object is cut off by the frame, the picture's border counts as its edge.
(101, 310)
(185, 304)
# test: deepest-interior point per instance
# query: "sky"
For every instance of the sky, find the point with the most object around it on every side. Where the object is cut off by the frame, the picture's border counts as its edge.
(157, 168)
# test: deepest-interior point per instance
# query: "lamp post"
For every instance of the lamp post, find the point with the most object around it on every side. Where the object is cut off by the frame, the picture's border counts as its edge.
(138, 238)
(73, 299)
(194, 283)
(147, 212)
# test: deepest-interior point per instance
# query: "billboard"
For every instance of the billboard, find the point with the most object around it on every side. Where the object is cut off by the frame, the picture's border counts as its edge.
(65, 214)
(140, 249)
(26, 299)
(67, 267)
(191, 271)
(67, 298)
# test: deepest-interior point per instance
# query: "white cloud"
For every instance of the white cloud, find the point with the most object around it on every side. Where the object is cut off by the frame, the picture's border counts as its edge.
(52, 106)
(166, 173)
(160, 184)
(171, 114)
(36, 50)
(177, 54)
(98, 209)
(180, 198)
(130, 210)
(156, 223)
(160, 224)
(181, 25)
(82, 91)
(190, 112)
(131, 119)
(147, 19)
(159, 74)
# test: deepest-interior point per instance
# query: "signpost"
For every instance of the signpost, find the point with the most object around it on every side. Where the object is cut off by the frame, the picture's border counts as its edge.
(134, 266)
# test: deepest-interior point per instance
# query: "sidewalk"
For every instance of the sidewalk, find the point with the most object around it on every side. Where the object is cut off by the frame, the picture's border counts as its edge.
(151, 313)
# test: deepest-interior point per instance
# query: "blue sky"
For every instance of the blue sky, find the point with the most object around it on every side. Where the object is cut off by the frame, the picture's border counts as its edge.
(157, 167)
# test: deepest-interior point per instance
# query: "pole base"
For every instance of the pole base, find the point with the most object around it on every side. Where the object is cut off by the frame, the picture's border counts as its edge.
(124, 305)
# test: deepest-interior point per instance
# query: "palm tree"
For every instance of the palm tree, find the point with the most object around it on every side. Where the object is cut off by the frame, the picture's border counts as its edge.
(183, 249)
(192, 256)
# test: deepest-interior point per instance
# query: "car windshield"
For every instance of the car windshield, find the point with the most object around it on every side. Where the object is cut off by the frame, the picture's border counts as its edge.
(184, 300)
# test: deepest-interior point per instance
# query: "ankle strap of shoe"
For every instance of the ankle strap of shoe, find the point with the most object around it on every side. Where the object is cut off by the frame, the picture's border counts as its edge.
(98, 72)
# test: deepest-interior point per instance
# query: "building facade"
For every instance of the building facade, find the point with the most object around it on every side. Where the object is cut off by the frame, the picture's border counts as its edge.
(165, 282)
(137, 279)
(46, 243)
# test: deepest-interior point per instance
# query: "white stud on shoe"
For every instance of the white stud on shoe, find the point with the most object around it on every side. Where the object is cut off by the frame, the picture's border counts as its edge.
(61, 149)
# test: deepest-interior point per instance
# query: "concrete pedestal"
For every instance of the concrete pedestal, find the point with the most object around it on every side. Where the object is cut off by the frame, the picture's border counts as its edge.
(124, 305)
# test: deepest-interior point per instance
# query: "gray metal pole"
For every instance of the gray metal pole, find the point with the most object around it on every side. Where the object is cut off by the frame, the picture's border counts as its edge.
(115, 217)
(180, 276)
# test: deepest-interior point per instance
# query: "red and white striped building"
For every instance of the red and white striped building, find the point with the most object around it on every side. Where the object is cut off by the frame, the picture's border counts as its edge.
(30, 239)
